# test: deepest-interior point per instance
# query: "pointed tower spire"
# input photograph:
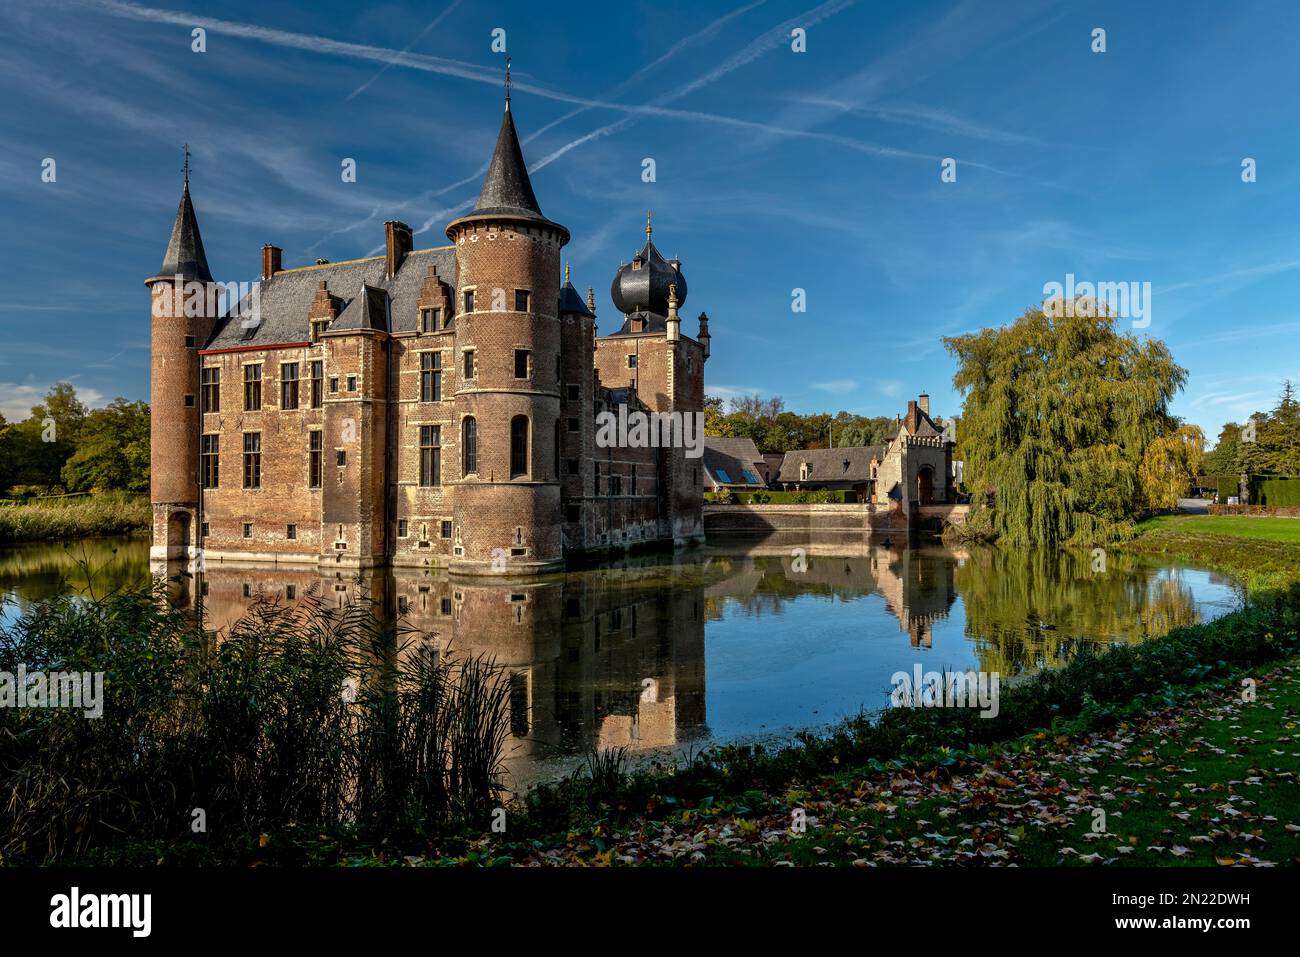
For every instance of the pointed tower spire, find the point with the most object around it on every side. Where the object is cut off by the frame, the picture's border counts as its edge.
(506, 188)
(185, 253)
(507, 82)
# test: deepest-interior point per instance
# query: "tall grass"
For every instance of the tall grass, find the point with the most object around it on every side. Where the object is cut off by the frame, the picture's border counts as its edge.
(303, 720)
(109, 513)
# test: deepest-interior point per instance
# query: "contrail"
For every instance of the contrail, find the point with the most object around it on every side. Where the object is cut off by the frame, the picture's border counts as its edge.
(385, 68)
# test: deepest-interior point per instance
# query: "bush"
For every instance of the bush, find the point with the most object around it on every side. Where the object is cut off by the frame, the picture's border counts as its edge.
(1275, 492)
(304, 720)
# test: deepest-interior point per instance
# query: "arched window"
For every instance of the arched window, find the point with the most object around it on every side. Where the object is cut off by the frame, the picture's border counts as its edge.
(519, 446)
(469, 445)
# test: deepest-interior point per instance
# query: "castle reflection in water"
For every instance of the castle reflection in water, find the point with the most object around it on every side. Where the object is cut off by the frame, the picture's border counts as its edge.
(601, 658)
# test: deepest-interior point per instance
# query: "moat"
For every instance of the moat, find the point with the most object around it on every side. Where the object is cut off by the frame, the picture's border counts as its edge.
(732, 641)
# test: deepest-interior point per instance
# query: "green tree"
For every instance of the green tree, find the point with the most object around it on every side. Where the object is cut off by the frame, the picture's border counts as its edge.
(1058, 413)
(113, 451)
(1222, 459)
(1170, 466)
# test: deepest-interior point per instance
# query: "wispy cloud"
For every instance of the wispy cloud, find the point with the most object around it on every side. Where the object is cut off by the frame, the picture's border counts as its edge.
(406, 49)
(837, 386)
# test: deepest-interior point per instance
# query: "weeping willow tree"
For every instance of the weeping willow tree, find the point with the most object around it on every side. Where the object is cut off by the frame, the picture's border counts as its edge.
(1059, 410)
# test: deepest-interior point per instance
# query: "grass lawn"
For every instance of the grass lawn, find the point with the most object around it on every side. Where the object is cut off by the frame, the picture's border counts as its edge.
(1264, 528)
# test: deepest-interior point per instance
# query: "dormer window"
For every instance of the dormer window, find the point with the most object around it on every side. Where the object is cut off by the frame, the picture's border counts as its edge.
(318, 326)
(430, 319)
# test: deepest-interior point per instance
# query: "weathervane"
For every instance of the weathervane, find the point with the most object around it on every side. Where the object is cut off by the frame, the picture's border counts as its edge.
(187, 166)
(648, 230)
(507, 81)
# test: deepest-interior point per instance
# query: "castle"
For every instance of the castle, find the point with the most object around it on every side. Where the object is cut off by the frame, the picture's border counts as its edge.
(431, 407)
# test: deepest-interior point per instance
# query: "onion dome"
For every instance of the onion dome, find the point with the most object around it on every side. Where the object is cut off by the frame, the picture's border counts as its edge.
(642, 285)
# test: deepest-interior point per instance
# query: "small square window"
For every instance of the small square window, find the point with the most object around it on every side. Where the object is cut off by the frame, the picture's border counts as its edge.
(352, 383)
(203, 530)
(446, 529)
(572, 514)
(573, 466)
(248, 529)
(575, 392)
(401, 528)
(189, 342)
(521, 363)
(189, 402)
(631, 361)
(291, 532)
(341, 457)
(445, 606)
(290, 592)
(521, 300)
(574, 425)
(468, 299)
(469, 364)
(334, 383)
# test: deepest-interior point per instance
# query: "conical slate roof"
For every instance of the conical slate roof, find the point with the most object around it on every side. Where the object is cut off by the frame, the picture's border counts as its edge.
(507, 189)
(571, 302)
(185, 253)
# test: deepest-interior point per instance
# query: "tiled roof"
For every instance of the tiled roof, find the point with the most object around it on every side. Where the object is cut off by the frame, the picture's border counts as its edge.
(185, 253)
(727, 460)
(851, 464)
(287, 296)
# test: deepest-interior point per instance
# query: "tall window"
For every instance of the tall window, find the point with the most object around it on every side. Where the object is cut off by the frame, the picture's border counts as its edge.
(469, 445)
(521, 300)
(288, 385)
(521, 363)
(211, 389)
(469, 300)
(209, 460)
(429, 319)
(252, 460)
(430, 455)
(315, 458)
(518, 446)
(318, 326)
(317, 384)
(252, 388)
(469, 364)
(430, 376)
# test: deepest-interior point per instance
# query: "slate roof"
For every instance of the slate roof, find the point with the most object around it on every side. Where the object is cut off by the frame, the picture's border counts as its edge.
(732, 457)
(388, 303)
(185, 253)
(507, 188)
(571, 302)
(844, 465)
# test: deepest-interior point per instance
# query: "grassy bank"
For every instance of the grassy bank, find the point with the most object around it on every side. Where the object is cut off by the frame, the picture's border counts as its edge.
(110, 513)
(1263, 553)
(1156, 735)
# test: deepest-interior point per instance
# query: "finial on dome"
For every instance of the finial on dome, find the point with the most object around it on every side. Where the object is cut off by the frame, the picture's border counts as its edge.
(507, 82)
(566, 272)
(648, 230)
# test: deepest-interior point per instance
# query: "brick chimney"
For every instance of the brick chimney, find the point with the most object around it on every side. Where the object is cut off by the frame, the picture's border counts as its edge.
(270, 260)
(399, 242)
(925, 403)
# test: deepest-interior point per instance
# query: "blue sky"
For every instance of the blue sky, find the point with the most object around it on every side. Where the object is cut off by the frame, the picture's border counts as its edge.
(776, 170)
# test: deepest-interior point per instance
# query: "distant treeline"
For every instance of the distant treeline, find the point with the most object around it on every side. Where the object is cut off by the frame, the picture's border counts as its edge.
(774, 428)
(64, 447)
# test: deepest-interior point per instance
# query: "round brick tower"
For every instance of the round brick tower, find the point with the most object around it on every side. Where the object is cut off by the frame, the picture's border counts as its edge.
(183, 311)
(507, 337)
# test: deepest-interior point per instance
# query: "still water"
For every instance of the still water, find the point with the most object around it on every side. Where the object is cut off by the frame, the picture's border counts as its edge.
(733, 641)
